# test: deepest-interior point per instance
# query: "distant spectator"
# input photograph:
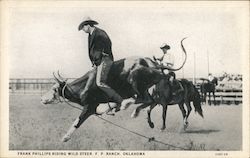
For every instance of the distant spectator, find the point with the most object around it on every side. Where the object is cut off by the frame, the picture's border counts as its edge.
(210, 77)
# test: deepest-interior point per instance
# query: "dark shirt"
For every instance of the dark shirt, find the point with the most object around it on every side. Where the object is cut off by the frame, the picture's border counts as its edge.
(99, 43)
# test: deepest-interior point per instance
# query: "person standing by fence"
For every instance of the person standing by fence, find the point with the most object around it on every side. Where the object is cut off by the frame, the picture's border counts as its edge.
(210, 77)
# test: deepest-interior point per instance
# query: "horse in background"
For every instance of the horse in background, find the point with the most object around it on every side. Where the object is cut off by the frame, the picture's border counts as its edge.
(190, 94)
(208, 87)
(162, 95)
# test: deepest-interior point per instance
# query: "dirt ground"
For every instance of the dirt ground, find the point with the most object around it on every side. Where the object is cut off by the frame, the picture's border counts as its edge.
(34, 126)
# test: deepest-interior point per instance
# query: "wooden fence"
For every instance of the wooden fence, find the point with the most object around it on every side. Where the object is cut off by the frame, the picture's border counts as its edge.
(228, 96)
(30, 86)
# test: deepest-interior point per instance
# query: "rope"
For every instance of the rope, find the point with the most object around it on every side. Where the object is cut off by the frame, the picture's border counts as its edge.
(63, 95)
(63, 91)
(138, 134)
(150, 139)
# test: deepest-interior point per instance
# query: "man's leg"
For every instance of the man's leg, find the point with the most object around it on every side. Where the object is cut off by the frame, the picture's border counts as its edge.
(176, 86)
(101, 79)
(90, 81)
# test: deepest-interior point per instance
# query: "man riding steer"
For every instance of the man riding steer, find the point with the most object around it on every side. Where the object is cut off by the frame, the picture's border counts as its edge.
(100, 54)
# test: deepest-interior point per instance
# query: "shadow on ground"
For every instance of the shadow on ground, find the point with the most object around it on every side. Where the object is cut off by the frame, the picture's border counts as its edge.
(203, 131)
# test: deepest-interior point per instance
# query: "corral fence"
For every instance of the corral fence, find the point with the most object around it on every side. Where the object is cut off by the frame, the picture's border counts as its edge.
(31, 85)
(226, 93)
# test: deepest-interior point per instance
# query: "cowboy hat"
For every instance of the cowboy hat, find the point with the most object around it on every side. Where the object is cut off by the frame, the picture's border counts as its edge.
(87, 21)
(165, 46)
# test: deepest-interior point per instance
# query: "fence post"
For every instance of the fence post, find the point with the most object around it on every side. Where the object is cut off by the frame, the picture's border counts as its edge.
(221, 99)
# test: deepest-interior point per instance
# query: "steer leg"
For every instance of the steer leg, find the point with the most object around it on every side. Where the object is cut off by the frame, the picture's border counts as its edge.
(151, 124)
(184, 114)
(147, 100)
(77, 123)
(137, 110)
(164, 114)
(189, 109)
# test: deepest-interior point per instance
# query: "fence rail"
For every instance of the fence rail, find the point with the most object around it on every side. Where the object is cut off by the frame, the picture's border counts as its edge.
(30, 85)
(226, 95)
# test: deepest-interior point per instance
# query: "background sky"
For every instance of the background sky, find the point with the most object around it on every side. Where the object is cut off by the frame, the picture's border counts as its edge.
(45, 38)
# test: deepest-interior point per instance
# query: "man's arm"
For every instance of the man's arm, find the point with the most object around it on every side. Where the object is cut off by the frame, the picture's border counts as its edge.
(104, 44)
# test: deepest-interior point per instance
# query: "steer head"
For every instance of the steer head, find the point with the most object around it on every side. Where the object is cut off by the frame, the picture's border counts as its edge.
(53, 95)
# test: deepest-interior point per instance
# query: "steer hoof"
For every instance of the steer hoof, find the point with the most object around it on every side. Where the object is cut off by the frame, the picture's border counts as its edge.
(65, 138)
(163, 128)
(134, 114)
(151, 124)
(185, 126)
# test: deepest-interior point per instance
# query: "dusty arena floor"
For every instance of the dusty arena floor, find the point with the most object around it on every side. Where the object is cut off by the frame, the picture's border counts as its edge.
(37, 127)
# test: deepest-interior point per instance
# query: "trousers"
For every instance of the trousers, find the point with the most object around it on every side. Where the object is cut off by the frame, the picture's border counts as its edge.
(102, 77)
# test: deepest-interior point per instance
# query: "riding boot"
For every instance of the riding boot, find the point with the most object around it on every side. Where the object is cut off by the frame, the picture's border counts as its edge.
(119, 100)
(179, 87)
(176, 89)
(114, 96)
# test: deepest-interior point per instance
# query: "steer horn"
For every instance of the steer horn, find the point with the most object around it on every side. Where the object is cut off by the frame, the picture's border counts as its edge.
(63, 79)
(172, 69)
(59, 80)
